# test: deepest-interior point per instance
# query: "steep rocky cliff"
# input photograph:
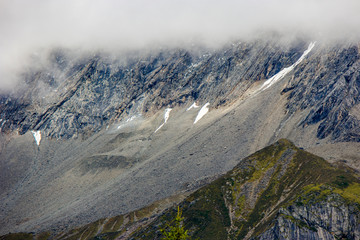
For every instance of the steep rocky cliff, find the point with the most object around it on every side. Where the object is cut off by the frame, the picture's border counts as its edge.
(329, 87)
(67, 97)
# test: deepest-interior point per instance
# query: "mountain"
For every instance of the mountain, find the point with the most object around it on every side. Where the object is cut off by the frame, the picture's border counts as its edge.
(279, 192)
(88, 136)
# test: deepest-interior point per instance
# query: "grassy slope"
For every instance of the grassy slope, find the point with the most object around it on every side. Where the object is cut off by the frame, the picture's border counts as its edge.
(243, 202)
(278, 176)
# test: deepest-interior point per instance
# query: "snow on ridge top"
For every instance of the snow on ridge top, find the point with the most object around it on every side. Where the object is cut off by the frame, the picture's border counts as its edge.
(204, 110)
(166, 117)
(192, 106)
(37, 136)
(285, 71)
(307, 51)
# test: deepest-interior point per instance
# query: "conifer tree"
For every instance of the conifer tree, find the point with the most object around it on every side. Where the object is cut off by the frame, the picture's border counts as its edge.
(177, 231)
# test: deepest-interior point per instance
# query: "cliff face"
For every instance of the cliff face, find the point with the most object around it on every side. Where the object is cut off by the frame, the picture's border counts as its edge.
(330, 217)
(68, 97)
(329, 87)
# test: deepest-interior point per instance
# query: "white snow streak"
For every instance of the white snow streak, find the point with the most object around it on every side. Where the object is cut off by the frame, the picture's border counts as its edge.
(37, 136)
(285, 71)
(204, 110)
(166, 117)
(127, 122)
(167, 114)
(2, 124)
(131, 119)
(192, 106)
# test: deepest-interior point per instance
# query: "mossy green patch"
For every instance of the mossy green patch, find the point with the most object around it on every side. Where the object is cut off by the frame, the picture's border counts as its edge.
(43, 236)
(350, 193)
(314, 193)
(17, 236)
(113, 224)
(240, 206)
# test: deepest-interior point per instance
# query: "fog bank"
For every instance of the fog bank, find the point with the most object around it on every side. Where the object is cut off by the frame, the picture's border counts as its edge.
(27, 27)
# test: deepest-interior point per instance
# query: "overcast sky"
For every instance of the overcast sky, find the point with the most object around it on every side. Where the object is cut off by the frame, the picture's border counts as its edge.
(29, 25)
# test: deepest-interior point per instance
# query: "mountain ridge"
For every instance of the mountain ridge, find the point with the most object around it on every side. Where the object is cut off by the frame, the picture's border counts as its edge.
(99, 154)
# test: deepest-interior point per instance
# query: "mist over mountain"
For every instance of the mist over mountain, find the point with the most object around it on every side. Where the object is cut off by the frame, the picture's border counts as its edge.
(113, 111)
(29, 28)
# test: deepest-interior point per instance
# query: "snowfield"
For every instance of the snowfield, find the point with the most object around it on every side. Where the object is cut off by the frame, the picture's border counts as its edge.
(285, 71)
(204, 110)
(166, 117)
(37, 137)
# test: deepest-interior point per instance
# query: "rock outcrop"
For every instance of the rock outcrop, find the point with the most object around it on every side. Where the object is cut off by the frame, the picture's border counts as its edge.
(328, 87)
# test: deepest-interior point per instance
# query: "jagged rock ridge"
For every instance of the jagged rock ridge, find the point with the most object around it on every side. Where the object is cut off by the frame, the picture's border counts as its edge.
(70, 97)
(98, 90)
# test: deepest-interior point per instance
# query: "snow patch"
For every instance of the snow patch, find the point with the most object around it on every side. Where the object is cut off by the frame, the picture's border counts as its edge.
(285, 71)
(204, 110)
(166, 117)
(167, 114)
(2, 123)
(159, 127)
(37, 136)
(131, 118)
(192, 106)
(128, 121)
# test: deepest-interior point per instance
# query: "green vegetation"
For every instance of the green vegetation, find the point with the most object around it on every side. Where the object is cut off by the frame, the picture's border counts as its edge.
(249, 197)
(351, 193)
(43, 236)
(113, 224)
(17, 236)
(176, 231)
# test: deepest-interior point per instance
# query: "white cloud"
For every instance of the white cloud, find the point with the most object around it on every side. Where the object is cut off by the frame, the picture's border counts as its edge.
(26, 26)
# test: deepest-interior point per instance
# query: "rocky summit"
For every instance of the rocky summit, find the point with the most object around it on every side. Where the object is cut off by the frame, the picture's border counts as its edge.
(121, 137)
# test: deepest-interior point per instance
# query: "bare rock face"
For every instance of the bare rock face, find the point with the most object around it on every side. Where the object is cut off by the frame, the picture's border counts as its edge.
(331, 218)
(328, 86)
(74, 96)
(67, 98)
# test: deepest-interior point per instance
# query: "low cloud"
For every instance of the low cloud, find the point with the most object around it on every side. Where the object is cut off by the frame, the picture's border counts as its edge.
(27, 27)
